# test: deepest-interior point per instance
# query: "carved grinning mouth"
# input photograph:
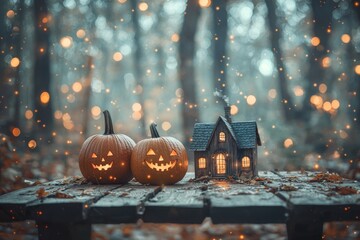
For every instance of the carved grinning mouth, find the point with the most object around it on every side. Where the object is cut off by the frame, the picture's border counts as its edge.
(162, 167)
(102, 167)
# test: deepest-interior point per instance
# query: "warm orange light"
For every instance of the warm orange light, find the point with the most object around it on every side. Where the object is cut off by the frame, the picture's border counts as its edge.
(322, 88)
(356, 4)
(175, 37)
(68, 125)
(58, 114)
(32, 144)
(326, 62)
(315, 41)
(251, 100)
(204, 3)
(44, 20)
(272, 93)
(166, 125)
(288, 143)
(143, 6)
(80, 33)
(345, 38)
(357, 69)
(16, 132)
(234, 109)
(327, 106)
(316, 100)
(136, 107)
(15, 62)
(117, 57)
(77, 86)
(44, 97)
(66, 41)
(335, 104)
(28, 114)
(316, 166)
(299, 91)
(10, 14)
(136, 116)
(95, 111)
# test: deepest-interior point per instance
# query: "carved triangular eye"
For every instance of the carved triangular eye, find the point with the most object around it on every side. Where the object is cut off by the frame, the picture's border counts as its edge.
(93, 155)
(110, 154)
(173, 153)
(150, 152)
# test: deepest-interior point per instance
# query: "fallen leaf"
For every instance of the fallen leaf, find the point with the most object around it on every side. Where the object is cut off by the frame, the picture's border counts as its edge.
(287, 188)
(345, 190)
(124, 194)
(41, 193)
(326, 177)
(62, 195)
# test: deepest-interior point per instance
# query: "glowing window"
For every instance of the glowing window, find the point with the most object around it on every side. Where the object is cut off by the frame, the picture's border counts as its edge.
(202, 163)
(220, 164)
(245, 162)
(222, 137)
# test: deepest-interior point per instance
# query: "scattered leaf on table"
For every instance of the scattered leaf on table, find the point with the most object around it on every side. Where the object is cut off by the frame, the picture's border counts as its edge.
(41, 193)
(62, 195)
(326, 177)
(345, 190)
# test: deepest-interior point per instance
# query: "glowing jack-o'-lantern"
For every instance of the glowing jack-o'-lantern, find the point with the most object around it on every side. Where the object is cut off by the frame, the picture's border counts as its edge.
(159, 160)
(106, 158)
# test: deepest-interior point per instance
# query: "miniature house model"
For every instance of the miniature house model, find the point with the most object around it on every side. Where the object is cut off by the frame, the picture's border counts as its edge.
(225, 148)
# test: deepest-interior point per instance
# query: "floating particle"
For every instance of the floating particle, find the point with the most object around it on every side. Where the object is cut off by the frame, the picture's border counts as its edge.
(288, 143)
(251, 100)
(44, 97)
(204, 3)
(15, 62)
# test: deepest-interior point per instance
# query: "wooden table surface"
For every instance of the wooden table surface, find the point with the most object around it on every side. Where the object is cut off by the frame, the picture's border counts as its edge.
(66, 208)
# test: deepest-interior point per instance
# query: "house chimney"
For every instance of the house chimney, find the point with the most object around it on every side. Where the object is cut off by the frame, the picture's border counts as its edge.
(227, 113)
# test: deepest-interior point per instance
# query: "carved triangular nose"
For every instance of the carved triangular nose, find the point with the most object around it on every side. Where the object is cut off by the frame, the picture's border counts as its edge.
(102, 159)
(161, 158)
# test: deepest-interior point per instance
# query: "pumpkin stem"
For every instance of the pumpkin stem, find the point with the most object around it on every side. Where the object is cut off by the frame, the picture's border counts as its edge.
(153, 131)
(108, 123)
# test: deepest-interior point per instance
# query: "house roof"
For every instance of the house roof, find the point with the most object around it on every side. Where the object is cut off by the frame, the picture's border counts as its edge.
(245, 134)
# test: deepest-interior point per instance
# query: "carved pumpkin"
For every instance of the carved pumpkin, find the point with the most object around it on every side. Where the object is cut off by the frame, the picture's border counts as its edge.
(159, 160)
(106, 158)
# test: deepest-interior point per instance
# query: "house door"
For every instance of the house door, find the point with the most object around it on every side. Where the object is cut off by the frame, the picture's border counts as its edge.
(220, 164)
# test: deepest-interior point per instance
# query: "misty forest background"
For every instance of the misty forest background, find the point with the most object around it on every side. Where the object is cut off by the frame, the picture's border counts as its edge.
(291, 65)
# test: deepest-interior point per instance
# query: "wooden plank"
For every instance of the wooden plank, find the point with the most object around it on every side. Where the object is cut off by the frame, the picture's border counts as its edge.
(13, 204)
(120, 205)
(243, 203)
(129, 203)
(321, 199)
(176, 204)
(179, 203)
(74, 209)
(311, 203)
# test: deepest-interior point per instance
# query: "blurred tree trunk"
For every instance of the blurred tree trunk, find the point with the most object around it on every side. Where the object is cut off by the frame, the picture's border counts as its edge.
(87, 96)
(220, 29)
(322, 23)
(138, 69)
(6, 87)
(355, 87)
(43, 114)
(190, 113)
(275, 34)
(18, 37)
(351, 146)
(318, 124)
